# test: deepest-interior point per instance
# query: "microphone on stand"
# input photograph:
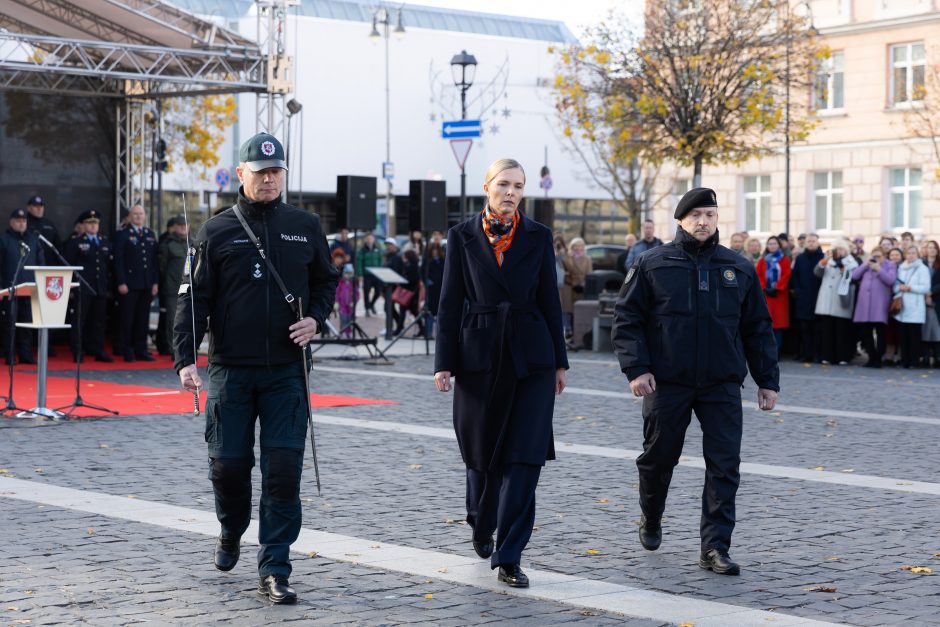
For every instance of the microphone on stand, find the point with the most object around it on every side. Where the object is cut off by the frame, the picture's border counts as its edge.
(24, 249)
(46, 242)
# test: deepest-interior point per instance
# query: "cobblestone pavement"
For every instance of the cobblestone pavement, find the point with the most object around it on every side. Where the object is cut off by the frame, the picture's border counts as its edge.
(829, 552)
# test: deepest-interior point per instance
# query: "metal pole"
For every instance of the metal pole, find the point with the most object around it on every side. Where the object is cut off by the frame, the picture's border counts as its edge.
(388, 135)
(786, 130)
(463, 172)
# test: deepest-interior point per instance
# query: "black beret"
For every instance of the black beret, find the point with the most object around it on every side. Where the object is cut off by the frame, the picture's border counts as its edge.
(695, 198)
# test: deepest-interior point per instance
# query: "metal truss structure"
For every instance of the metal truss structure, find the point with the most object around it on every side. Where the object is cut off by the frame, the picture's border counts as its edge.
(140, 50)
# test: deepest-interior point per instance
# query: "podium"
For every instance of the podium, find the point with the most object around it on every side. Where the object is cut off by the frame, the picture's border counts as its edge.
(49, 301)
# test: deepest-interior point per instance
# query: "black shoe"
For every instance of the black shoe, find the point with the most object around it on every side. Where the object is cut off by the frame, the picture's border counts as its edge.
(651, 533)
(26, 360)
(277, 588)
(719, 561)
(129, 357)
(484, 549)
(104, 358)
(146, 357)
(513, 576)
(227, 552)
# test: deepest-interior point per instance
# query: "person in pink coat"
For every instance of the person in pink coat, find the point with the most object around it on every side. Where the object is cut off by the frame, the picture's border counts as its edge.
(875, 279)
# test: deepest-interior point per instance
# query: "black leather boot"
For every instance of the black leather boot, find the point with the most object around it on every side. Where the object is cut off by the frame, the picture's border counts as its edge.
(227, 551)
(484, 549)
(277, 588)
(651, 533)
(719, 561)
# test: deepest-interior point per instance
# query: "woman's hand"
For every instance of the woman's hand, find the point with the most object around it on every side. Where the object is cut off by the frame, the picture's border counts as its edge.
(905, 288)
(442, 380)
(561, 380)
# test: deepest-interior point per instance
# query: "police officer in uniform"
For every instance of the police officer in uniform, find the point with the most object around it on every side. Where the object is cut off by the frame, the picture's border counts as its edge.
(92, 252)
(135, 272)
(255, 356)
(36, 220)
(171, 258)
(689, 323)
(18, 243)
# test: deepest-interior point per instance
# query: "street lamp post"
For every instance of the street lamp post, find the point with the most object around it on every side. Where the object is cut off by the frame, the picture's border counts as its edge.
(463, 66)
(786, 117)
(382, 16)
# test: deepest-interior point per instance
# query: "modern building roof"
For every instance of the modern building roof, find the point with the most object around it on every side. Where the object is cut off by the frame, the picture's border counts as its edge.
(414, 15)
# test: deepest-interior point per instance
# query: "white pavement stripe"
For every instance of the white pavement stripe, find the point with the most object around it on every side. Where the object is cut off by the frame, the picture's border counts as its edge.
(458, 569)
(793, 409)
(782, 472)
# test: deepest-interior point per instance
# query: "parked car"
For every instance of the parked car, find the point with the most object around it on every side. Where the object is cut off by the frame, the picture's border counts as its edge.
(604, 256)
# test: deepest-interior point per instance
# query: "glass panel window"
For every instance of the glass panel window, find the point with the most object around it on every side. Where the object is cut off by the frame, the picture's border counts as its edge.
(757, 203)
(906, 198)
(829, 84)
(907, 73)
(681, 186)
(827, 198)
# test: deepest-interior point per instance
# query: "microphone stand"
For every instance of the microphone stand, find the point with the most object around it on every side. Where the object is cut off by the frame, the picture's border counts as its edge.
(11, 404)
(80, 355)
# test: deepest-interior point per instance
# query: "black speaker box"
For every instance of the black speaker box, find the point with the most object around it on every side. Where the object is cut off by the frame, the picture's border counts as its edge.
(427, 206)
(544, 211)
(355, 197)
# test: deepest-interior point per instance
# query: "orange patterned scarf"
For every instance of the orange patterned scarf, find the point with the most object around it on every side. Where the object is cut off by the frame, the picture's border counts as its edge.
(499, 231)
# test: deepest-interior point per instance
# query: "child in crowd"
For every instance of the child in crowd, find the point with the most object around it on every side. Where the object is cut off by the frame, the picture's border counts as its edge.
(347, 295)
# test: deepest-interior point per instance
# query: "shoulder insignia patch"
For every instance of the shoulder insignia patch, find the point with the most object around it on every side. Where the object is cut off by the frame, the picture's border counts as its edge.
(630, 274)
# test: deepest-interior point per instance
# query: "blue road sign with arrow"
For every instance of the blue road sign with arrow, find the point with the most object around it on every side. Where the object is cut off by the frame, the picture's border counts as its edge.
(461, 129)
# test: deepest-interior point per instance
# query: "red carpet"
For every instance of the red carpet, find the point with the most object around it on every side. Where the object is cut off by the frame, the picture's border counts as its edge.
(132, 399)
(63, 361)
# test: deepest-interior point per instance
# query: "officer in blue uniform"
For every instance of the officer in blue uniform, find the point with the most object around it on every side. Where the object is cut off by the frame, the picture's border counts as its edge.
(92, 252)
(18, 243)
(689, 323)
(135, 273)
(256, 370)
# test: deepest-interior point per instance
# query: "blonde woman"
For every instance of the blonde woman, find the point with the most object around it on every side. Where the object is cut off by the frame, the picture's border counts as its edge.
(500, 330)
(753, 249)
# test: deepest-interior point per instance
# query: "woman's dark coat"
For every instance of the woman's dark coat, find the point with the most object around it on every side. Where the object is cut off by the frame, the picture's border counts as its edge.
(804, 285)
(432, 272)
(500, 334)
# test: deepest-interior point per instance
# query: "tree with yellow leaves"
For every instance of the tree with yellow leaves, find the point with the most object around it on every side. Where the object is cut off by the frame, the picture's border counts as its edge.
(194, 129)
(923, 120)
(721, 81)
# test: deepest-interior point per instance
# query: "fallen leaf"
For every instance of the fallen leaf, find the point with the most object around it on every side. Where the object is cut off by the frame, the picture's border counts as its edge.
(91, 531)
(904, 483)
(686, 624)
(937, 554)
(442, 570)
(29, 592)
(829, 435)
(807, 365)
(587, 613)
(4, 471)
(820, 589)
(834, 558)
(779, 421)
(415, 466)
(22, 621)
(924, 376)
(593, 552)
(40, 470)
(132, 496)
(602, 501)
(102, 446)
(819, 468)
(917, 569)
(831, 423)
(312, 554)
(13, 609)
(580, 417)
(775, 413)
(429, 596)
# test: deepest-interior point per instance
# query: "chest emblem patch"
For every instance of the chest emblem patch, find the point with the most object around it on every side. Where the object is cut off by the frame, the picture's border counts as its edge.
(729, 278)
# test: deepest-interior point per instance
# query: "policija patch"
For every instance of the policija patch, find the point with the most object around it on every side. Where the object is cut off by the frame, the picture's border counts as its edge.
(257, 269)
(729, 278)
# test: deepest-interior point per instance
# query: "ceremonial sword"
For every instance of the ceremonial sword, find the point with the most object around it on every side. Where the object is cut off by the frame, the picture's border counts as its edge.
(190, 254)
(313, 442)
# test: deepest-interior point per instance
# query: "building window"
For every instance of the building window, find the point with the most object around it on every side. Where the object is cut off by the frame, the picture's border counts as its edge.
(757, 203)
(827, 189)
(906, 198)
(908, 64)
(828, 91)
(680, 187)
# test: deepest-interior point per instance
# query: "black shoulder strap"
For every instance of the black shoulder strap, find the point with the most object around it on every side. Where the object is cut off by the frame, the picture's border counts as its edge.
(277, 277)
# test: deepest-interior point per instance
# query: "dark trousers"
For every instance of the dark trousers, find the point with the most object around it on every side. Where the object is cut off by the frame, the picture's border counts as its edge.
(371, 290)
(503, 501)
(87, 332)
(275, 396)
(911, 343)
(134, 314)
(834, 338)
(24, 337)
(874, 340)
(809, 341)
(667, 413)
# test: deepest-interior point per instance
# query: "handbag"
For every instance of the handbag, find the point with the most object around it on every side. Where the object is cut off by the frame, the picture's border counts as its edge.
(403, 296)
(897, 304)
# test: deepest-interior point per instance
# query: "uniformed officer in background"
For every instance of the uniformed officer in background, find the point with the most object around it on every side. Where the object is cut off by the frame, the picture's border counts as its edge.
(689, 323)
(92, 252)
(18, 243)
(171, 258)
(135, 272)
(255, 356)
(36, 220)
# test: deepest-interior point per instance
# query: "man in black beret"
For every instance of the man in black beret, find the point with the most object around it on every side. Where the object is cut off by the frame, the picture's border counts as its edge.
(689, 323)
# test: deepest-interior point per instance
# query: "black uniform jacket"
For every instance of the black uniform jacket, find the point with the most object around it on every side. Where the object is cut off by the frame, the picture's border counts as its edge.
(10, 251)
(500, 333)
(135, 258)
(94, 260)
(694, 316)
(234, 294)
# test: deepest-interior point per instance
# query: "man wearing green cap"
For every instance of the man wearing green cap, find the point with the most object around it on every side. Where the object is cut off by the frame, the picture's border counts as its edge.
(255, 356)
(689, 324)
